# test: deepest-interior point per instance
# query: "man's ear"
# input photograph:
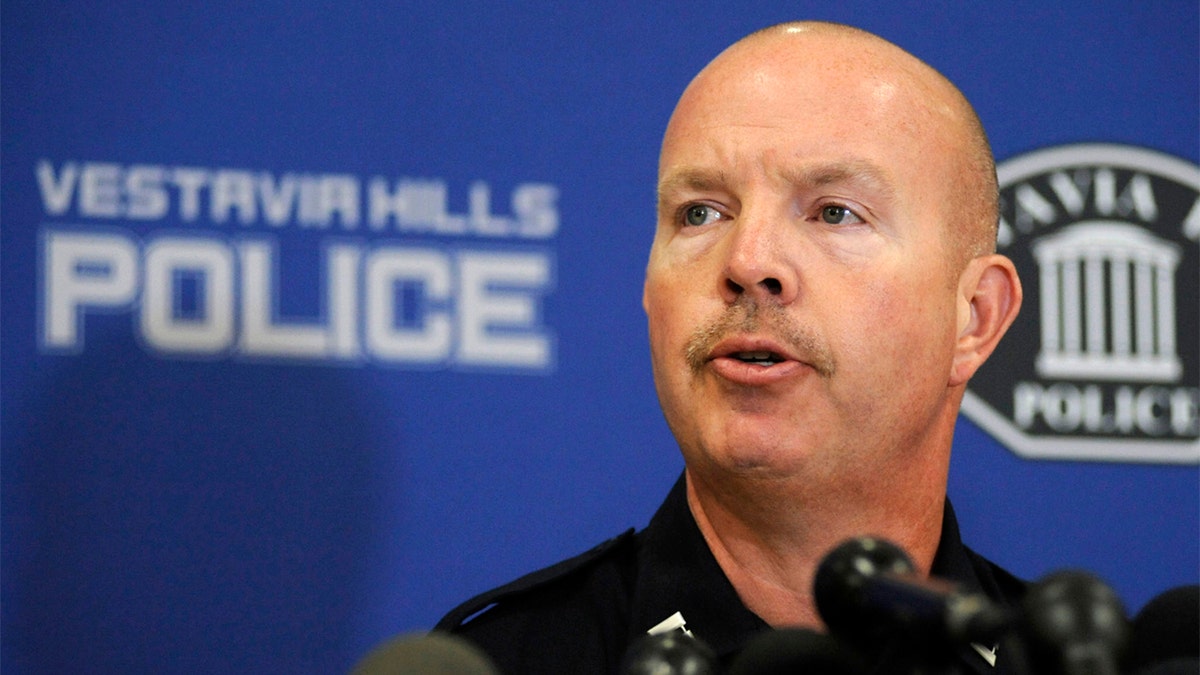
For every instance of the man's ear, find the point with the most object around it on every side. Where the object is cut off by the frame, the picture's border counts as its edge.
(989, 297)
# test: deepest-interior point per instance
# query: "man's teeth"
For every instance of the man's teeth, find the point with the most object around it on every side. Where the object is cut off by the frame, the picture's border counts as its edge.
(761, 358)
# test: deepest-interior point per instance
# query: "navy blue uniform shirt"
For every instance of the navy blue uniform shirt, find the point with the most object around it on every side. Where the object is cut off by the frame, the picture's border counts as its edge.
(581, 615)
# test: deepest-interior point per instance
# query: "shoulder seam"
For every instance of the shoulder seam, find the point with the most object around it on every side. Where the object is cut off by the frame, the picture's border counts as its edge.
(468, 610)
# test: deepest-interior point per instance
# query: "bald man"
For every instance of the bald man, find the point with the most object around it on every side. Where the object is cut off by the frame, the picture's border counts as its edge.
(821, 286)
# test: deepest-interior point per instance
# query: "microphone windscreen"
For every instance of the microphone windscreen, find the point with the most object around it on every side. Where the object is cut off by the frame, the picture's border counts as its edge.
(671, 653)
(432, 654)
(796, 650)
(1073, 623)
(840, 587)
(1166, 630)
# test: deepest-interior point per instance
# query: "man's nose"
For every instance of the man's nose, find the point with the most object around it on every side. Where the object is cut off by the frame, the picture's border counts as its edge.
(757, 262)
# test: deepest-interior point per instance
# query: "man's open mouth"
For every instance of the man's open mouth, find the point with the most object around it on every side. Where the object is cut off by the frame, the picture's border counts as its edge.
(758, 358)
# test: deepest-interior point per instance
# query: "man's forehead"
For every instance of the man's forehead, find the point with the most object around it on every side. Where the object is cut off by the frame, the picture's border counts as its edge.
(801, 173)
(873, 103)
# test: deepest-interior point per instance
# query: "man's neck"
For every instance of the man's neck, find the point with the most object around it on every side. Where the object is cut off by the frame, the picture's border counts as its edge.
(770, 536)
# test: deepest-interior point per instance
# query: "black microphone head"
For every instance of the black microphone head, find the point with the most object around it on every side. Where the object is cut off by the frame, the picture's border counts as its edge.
(1073, 623)
(1167, 629)
(432, 654)
(838, 587)
(796, 650)
(672, 653)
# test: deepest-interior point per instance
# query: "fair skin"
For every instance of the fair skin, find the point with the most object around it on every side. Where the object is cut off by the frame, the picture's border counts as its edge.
(812, 325)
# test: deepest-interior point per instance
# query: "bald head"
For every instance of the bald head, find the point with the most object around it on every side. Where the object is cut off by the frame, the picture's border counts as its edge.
(816, 295)
(885, 90)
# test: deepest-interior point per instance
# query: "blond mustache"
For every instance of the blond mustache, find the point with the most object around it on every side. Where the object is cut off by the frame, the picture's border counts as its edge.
(770, 319)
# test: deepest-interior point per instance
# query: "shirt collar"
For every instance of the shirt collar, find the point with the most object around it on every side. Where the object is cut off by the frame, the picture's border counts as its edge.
(678, 573)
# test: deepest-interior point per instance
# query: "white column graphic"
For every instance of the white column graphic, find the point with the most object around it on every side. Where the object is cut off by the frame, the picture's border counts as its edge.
(1107, 304)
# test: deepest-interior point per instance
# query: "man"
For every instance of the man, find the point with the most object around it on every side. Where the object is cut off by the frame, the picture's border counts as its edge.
(821, 286)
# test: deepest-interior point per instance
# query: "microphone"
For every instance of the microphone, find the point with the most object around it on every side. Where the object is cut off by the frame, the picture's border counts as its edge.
(436, 653)
(670, 653)
(1165, 635)
(796, 650)
(867, 590)
(1073, 624)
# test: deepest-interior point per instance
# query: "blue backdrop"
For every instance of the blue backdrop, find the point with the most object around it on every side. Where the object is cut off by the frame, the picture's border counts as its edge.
(320, 317)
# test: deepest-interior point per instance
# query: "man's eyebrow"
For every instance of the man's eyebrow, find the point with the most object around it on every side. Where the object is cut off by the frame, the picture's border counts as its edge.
(691, 179)
(860, 173)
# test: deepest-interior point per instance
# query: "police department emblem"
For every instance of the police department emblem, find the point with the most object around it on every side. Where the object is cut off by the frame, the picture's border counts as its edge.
(1103, 362)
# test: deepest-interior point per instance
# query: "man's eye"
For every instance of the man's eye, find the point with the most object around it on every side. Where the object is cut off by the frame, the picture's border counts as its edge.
(699, 214)
(835, 214)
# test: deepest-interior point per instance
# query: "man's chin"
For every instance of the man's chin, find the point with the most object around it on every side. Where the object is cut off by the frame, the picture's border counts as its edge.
(749, 462)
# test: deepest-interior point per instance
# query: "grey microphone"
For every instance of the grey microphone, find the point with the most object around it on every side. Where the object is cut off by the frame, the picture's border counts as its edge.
(435, 653)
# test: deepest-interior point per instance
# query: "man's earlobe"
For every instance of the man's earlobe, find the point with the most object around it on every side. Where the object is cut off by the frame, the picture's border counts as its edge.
(989, 297)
